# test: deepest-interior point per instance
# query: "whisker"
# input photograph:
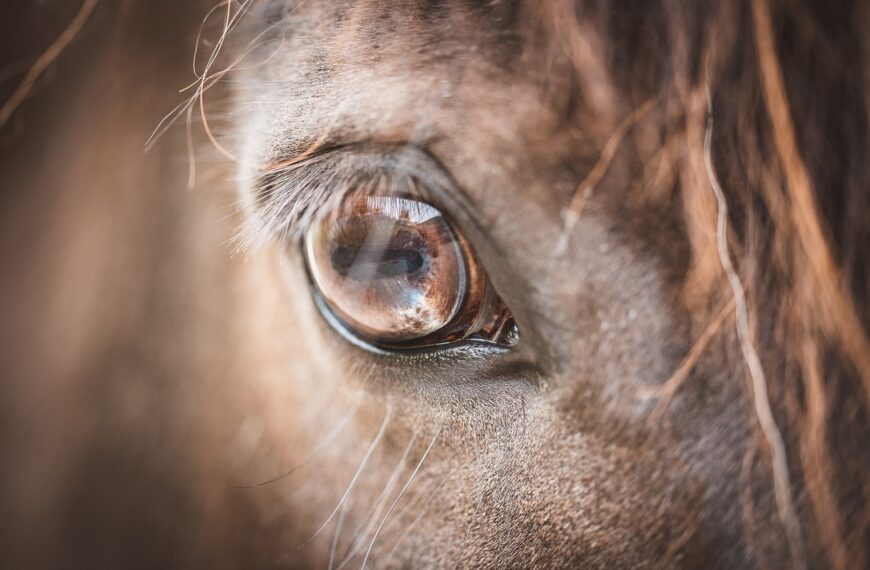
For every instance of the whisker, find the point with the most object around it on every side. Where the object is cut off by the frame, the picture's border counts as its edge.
(356, 475)
(205, 81)
(477, 507)
(364, 528)
(167, 121)
(430, 499)
(469, 529)
(330, 437)
(409, 506)
(191, 150)
(399, 497)
(199, 41)
(337, 533)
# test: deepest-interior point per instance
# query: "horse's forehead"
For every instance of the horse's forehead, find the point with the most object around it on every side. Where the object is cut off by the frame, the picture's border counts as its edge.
(452, 77)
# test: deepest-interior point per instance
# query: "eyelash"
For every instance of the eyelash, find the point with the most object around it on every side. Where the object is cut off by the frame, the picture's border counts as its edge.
(289, 197)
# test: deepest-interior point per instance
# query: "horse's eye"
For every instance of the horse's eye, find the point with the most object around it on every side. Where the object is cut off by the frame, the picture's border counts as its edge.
(398, 275)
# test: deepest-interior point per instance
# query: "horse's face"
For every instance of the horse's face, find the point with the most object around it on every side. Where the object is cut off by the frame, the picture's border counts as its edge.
(479, 302)
(541, 454)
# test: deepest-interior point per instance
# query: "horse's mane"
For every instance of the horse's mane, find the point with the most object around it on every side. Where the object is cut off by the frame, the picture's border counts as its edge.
(766, 114)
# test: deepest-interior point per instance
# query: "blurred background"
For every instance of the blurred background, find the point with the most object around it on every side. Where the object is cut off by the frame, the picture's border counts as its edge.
(104, 252)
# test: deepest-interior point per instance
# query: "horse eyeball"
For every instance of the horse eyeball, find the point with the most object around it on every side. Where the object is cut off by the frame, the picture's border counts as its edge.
(397, 274)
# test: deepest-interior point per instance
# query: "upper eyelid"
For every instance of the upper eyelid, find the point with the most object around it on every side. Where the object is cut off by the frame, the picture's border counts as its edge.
(289, 195)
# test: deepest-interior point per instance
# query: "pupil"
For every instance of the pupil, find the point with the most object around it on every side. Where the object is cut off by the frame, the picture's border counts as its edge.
(361, 264)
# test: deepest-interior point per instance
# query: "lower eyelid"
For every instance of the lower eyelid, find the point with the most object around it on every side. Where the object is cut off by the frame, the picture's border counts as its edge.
(467, 348)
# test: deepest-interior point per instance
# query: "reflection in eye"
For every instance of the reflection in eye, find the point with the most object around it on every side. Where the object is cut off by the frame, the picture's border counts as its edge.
(396, 273)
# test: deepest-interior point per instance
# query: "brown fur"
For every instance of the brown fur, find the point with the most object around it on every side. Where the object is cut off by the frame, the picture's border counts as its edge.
(170, 404)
